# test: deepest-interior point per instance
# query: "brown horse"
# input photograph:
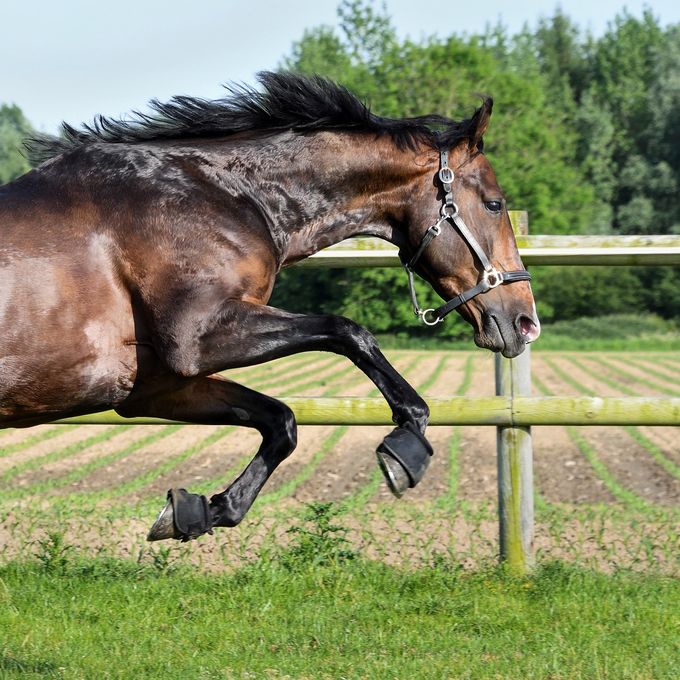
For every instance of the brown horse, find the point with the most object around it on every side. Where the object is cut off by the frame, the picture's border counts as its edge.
(137, 260)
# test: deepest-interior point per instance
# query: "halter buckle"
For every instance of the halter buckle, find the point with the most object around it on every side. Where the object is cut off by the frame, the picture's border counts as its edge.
(446, 175)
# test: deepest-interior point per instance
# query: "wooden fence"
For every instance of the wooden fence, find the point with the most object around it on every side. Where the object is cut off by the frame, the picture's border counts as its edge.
(513, 411)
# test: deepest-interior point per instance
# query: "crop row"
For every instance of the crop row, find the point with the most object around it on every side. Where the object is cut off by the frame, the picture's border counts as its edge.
(94, 452)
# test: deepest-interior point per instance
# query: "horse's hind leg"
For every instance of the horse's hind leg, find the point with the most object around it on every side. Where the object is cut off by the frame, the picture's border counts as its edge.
(214, 401)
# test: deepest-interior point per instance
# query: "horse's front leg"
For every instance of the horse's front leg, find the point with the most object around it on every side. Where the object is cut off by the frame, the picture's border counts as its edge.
(242, 334)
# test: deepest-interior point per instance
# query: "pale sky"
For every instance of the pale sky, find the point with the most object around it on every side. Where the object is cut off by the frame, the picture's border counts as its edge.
(72, 59)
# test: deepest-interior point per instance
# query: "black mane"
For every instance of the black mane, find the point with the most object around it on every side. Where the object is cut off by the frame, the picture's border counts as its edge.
(287, 101)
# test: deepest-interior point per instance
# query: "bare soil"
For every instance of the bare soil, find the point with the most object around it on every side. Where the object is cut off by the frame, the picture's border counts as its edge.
(477, 456)
(45, 447)
(56, 469)
(666, 438)
(351, 463)
(635, 377)
(388, 528)
(631, 465)
(561, 473)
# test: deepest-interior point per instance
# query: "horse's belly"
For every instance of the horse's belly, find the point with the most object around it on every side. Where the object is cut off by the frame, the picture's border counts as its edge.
(56, 383)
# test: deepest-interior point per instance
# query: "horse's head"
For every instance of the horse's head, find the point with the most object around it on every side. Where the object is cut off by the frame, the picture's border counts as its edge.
(469, 254)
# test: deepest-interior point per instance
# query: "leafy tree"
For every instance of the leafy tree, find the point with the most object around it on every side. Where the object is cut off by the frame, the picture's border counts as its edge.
(662, 142)
(561, 56)
(571, 292)
(14, 128)
(633, 80)
(623, 67)
(319, 51)
(530, 142)
(596, 132)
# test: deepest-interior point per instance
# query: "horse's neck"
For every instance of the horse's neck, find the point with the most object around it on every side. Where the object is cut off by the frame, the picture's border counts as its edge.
(361, 187)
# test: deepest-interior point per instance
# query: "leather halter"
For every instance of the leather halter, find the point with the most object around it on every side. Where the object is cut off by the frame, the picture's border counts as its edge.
(449, 214)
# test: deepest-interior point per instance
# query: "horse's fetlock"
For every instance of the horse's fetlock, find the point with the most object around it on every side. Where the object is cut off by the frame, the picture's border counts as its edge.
(222, 514)
(423, 411)
(417, 413)
(226, 521)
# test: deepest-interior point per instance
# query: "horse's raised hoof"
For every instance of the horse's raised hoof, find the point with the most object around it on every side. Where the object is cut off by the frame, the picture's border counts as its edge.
(184, 517)
(403, 457)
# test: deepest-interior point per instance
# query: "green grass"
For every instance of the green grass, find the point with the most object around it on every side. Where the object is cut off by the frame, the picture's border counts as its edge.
(71, 618)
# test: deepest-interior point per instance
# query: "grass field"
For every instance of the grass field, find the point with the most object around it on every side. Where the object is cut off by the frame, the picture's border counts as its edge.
(76, 501)
(86, 619)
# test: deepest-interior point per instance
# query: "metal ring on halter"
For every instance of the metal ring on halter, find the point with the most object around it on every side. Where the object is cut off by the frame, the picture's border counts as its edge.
(444, 210)
(492, 277)
(424, 312)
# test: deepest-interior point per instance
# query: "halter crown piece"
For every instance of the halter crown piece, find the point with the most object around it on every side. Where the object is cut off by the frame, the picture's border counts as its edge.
(449, 214)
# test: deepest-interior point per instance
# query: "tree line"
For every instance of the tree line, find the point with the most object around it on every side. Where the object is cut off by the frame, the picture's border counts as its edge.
(584, 136)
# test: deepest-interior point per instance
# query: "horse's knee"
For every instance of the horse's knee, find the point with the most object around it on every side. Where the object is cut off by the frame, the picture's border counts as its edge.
(344, 331)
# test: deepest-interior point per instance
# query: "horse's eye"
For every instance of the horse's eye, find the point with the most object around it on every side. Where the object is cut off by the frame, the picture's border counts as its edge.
(493, 206)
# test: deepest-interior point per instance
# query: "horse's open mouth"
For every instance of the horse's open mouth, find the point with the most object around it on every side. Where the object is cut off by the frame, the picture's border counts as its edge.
(499, 334)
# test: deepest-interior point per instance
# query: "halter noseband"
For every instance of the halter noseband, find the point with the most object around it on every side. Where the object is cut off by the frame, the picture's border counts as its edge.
(491, 277)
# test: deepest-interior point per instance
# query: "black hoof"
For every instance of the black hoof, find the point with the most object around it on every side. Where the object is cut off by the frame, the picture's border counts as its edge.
(185, 516)
(403, 457)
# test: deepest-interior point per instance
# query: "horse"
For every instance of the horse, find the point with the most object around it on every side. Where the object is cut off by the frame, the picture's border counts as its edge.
(138, 258)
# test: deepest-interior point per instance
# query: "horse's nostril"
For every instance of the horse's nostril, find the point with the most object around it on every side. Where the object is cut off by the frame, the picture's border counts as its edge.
(528, 328)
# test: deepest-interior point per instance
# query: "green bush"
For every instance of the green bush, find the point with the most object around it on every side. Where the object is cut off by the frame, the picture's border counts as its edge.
(614, 326)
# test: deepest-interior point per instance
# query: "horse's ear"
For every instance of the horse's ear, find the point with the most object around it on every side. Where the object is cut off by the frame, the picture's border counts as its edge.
(479, 123)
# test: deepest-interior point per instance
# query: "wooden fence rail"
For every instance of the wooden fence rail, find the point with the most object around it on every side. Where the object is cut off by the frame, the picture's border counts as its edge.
(571, 250)
(501, 411)
(513, 411)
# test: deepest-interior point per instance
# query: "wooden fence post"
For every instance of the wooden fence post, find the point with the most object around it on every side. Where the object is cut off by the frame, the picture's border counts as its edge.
(515, 458)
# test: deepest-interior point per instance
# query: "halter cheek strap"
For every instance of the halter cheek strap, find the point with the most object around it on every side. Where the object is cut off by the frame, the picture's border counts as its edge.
(490, 276)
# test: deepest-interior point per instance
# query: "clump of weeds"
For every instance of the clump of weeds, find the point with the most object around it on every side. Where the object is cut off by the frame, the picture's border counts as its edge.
(317, 540)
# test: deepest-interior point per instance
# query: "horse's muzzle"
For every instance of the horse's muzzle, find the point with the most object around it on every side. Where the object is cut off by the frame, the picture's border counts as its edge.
(509, 336)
